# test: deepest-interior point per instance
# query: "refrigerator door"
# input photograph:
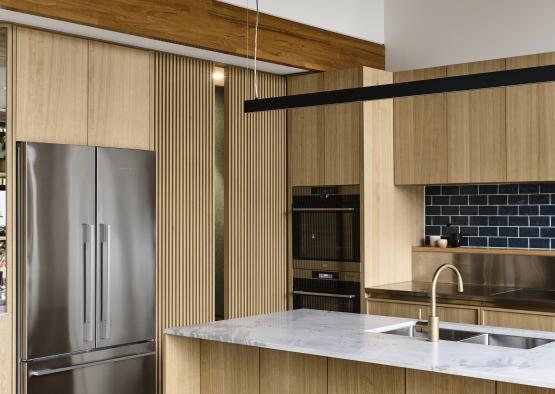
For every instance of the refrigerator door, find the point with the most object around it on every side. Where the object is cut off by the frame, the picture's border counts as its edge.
(56, 255)
(103, 372)
(126, 246)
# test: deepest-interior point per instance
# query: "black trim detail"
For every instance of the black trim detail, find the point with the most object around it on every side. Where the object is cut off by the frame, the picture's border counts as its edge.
(495, 79)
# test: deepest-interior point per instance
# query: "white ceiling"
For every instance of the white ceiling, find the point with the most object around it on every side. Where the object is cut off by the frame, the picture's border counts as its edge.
(356, 18)
(127, 39)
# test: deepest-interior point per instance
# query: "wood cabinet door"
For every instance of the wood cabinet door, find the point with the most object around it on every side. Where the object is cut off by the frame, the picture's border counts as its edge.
(448, 313)
(423, 382)
(397, 309)
(353, 377)
(420, 133)
(508, 388)
(120, 92)
(531, 125)
(292, 373)
(476, 129)
(306, 134)
(51, 87)
(343, 125)
(518, 319)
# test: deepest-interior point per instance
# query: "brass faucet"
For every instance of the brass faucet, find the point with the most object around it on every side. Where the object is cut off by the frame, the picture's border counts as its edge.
(433, 320)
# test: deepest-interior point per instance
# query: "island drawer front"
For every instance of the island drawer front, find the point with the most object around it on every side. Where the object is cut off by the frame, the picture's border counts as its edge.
(468, 315)
(527, 320)
(508, 388)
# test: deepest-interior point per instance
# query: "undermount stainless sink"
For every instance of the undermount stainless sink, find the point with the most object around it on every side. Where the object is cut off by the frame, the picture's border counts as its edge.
(445, 334)
(508, 341)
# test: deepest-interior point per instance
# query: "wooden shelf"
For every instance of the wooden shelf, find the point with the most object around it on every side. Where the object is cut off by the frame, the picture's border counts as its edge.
(464, 250)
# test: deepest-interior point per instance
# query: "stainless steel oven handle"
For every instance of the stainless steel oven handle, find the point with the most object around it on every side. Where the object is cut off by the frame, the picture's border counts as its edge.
(323, 209)
(43, 372)
(310, 293)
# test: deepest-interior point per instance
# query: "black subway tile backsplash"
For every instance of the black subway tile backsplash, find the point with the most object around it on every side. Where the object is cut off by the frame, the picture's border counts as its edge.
(496, 216)
(488, 189)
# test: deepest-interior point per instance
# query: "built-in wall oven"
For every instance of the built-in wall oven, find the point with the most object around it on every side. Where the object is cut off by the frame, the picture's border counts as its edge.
(326, 248)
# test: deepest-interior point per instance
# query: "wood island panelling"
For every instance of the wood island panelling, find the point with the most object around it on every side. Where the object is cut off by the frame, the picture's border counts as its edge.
(422, 382)
(256, 207)
(292, 373)
(184, 132)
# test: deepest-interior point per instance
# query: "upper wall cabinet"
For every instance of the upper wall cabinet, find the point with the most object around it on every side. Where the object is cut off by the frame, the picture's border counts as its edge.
(476, 129)
(305, 127)
(50, 87)
(120, 96)
(324, 142)
(531, 125)
(342, 125)
(420, 133)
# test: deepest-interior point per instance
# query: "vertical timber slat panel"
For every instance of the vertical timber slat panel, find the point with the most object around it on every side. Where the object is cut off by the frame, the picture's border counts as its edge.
(256, 199)
(183, 141)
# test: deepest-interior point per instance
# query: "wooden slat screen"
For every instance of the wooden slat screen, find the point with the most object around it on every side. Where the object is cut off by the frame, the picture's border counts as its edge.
(256, 207)
(184, 144)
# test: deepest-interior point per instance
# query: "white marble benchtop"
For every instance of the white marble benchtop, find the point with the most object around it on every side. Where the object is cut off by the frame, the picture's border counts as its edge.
(358, 338)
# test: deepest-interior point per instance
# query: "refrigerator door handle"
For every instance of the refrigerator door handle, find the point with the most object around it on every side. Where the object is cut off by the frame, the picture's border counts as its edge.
(105, 284)
(88, 278)
(43, 372)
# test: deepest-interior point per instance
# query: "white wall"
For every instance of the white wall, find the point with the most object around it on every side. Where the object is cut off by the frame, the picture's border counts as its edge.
(357, 18)
(424, 33)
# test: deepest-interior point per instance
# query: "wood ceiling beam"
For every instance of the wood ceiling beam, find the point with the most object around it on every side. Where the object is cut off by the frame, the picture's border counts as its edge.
(216, 26)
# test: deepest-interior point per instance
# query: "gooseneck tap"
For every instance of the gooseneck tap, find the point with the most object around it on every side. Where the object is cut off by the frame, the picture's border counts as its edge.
(433, 320)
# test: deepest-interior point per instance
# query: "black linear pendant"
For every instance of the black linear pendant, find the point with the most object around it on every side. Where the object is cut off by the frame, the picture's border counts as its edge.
(495, 79)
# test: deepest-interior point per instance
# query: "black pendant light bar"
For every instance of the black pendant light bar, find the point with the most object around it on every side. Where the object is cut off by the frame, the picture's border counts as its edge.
(495, 79)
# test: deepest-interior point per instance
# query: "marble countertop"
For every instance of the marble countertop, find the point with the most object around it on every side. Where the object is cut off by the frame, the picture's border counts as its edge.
(358, 337)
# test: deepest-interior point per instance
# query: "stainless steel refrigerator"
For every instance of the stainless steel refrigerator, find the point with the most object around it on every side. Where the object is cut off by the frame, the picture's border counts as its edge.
(86, 258)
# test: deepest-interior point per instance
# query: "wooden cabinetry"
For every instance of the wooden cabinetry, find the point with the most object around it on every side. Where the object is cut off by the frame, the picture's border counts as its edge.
(531, 125)
(324, 142)
(352, 377)
(228, 369)
(508, 388)
(292, 373)
(410, 310)
(50, 87)
(420, 133)
(305, 129)
(526, 320)
(72, 91)
(422, 382)
(120, 96)
(476, 129)
(342, 129)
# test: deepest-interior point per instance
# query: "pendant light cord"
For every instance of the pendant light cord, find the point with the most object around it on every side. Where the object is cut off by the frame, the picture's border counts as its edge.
(255, 47)
(256, 51)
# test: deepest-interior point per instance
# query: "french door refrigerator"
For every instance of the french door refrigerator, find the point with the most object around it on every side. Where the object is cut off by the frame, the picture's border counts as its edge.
(86, 246)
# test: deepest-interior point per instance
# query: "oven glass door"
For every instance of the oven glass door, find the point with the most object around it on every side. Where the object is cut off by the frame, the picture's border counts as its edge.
(326, 234)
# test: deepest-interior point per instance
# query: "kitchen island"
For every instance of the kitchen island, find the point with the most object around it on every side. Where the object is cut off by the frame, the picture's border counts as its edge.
(309, 351)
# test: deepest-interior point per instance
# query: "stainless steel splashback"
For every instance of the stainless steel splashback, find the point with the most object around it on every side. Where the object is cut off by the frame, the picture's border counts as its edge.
(488, 269)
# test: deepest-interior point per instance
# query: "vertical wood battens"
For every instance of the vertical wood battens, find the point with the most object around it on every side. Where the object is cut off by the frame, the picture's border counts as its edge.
(184, 144)
(256, 194)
